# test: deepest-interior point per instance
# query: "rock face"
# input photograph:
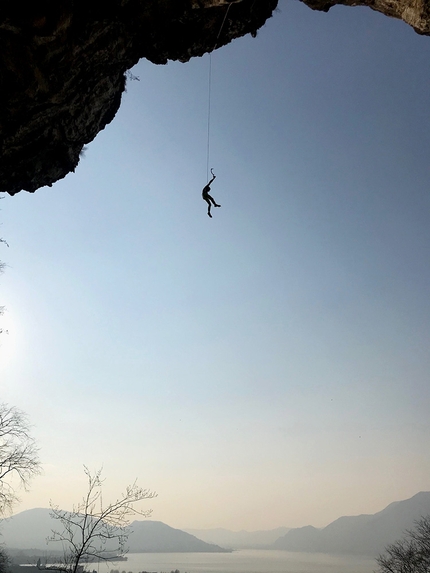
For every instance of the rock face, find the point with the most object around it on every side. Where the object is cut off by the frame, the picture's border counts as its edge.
(63, 66)
(416, 13)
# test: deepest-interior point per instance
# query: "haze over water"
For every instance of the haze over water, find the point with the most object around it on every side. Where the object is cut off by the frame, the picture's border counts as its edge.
(245, 561)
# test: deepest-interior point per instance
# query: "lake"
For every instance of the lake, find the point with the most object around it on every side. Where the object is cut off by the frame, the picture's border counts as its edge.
(243, 561)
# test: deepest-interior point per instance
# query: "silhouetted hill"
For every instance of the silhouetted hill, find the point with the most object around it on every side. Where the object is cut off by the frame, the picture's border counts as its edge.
(361, 534)
(239, 539)
(29, 530)
(157, 537)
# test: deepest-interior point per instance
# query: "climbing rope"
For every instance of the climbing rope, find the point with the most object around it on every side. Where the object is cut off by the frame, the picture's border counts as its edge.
(209, 116)
(210, 91)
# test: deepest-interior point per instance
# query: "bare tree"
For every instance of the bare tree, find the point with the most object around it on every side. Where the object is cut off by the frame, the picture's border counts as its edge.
(411, 554)
(92, 531)
(19, 458)
(4, 561)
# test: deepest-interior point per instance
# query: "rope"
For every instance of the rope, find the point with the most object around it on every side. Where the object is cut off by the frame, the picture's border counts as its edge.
(210, 90)
(209, 115)
(222, 26)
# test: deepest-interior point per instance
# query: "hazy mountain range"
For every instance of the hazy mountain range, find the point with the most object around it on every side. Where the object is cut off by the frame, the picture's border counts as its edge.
(361, 534)
(157, 537)
(239, 539)
(30, 529)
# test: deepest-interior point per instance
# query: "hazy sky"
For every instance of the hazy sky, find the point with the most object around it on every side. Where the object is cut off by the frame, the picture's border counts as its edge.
(266, 367)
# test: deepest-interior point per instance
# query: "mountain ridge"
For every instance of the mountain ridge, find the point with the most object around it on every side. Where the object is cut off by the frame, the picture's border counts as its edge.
(365, 534)
(29, 530)
(242, 539)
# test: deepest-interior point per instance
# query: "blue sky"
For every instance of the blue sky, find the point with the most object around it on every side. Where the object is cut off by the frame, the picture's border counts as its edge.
(266, 367)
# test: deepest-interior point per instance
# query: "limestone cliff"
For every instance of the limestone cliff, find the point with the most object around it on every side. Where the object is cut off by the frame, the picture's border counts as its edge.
(416, 13)
(63, 65)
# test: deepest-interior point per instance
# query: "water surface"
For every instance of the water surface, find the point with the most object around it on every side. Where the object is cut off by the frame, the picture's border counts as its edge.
(243, 561)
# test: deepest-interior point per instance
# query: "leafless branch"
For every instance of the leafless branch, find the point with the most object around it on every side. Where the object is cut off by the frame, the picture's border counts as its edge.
(19, 456)
(409, 555)
(92, 531)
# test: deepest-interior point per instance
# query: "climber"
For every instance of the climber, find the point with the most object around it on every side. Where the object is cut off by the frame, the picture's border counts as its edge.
(205, 194)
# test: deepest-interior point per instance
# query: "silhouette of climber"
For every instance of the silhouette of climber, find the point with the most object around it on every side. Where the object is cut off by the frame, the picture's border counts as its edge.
(205, 194)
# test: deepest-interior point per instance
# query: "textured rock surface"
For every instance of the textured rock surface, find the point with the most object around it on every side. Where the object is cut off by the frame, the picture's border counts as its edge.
(416, 13)
(62, 66)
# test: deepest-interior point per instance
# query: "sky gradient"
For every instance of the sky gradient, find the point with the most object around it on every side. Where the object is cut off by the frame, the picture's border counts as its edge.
(266, 367)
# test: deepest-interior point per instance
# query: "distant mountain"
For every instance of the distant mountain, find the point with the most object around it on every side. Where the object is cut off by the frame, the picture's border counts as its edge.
(361, 534)
(29, 530)
(157, 537)
(239, 539)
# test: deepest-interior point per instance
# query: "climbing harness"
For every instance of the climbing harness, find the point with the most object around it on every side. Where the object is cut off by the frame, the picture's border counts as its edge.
(210, 90)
